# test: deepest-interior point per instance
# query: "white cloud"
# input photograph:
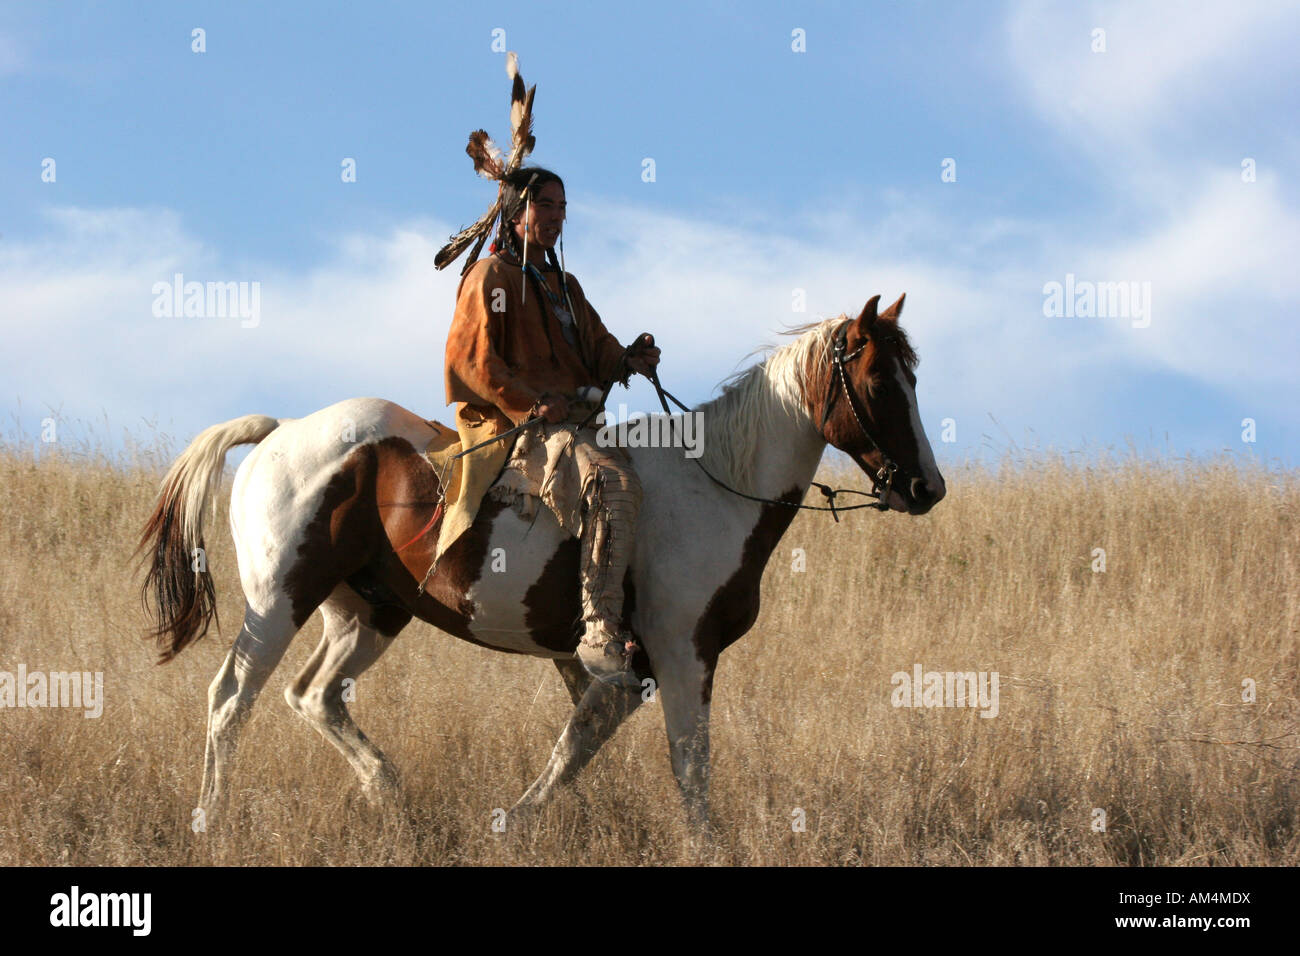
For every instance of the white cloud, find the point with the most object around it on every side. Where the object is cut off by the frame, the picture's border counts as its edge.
(1223, 285)
(81, 333)
(1161, 63)
(1216, 250)
(373, 317)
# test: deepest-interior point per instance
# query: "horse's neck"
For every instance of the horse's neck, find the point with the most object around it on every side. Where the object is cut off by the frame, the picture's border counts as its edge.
(786, 459)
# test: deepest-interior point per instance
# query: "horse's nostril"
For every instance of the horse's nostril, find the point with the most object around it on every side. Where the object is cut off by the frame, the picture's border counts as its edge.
(925, 493)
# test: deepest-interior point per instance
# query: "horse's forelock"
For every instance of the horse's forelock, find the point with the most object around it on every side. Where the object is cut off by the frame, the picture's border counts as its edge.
(893, 335)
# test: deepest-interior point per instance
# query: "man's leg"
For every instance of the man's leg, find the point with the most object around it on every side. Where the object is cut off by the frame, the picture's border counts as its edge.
(612, 499)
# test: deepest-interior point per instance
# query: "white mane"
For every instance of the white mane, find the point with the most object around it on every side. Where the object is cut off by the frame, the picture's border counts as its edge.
(756, 401)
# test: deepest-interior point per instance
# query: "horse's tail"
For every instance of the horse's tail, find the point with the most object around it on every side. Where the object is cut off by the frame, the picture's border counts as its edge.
(178, 582)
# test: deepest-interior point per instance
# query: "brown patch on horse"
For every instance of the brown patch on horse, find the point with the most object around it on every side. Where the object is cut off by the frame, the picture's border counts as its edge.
(460, 566)
(383, 494)
(733, 609)
(387, 614)
(640, 660)
(552, 607)
(342, 537)
(407, 496)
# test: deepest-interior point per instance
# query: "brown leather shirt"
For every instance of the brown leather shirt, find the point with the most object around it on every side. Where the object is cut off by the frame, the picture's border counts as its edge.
(504, 352)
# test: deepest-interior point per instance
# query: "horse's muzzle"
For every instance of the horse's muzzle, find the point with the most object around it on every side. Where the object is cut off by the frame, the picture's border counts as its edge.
(924, 495)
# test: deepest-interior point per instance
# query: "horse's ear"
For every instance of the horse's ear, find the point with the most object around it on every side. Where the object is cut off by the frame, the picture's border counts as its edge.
(895, 310)
(868, 317)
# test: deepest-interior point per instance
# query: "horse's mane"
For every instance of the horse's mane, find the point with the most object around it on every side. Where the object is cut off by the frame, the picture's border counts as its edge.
(752, 399)
(773, 389)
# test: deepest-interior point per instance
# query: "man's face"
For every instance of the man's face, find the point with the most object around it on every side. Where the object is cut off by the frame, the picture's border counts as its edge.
(547, 216)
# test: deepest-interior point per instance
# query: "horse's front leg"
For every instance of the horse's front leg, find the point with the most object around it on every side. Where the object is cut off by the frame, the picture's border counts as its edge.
(685, 692)
(595, 718)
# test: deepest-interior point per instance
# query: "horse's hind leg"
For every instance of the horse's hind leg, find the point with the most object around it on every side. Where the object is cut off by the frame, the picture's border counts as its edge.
(602, 708)
(257, 650)
(350, 645)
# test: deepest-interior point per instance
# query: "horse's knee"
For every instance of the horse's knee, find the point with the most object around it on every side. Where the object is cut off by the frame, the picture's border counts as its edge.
(223, 687)
(309, 704)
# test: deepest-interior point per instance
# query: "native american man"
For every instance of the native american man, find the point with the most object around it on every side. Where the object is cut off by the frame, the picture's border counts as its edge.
(525, 343)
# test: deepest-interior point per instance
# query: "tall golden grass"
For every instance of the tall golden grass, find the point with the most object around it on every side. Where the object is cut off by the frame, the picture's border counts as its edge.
(1120, 691)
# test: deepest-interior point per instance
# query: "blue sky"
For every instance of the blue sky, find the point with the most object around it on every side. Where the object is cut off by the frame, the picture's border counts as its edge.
(775, 170)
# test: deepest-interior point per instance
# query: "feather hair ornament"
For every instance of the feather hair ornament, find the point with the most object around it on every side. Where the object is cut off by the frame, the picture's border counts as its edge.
(528, 216)
(489, 164)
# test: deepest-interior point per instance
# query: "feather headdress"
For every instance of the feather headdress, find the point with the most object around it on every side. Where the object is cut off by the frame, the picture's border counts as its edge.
(489, 164)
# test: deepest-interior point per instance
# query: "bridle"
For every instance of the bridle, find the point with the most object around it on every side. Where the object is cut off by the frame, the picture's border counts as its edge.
(882, 481)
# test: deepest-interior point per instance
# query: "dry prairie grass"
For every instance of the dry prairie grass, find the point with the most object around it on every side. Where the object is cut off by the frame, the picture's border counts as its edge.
(1120, 691)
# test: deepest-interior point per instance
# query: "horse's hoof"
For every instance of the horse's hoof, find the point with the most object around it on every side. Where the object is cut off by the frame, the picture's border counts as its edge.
(381, 791)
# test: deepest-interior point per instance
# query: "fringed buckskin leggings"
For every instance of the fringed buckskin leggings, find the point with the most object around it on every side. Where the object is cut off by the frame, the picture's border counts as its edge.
(611, 497)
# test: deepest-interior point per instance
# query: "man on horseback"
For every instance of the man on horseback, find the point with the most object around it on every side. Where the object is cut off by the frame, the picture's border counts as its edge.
(525, 344)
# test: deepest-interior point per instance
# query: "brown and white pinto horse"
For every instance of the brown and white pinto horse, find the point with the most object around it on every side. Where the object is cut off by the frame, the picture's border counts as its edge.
(323, 508)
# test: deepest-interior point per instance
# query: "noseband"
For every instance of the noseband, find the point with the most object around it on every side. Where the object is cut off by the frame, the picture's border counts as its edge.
(883, 479)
